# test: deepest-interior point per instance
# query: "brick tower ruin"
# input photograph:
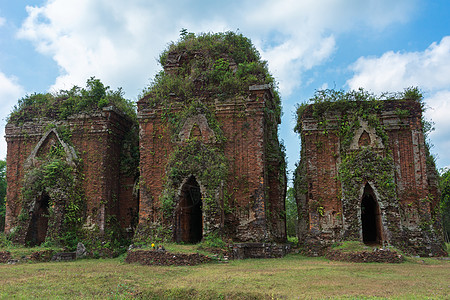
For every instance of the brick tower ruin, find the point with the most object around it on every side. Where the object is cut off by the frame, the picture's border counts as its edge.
(210, 159)
(64, 171)
(366, 174)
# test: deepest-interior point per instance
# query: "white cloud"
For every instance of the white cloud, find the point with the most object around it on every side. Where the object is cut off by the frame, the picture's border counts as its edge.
(10, 91)
(429, 70)
(296, 36)
(392, 71)
(2, 21)
(115, 41)
(119, 41)
(438, 111)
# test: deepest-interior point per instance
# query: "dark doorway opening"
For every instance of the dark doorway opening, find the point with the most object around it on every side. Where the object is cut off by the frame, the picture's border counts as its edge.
(37, 230)
(370, 218)
(189, 218)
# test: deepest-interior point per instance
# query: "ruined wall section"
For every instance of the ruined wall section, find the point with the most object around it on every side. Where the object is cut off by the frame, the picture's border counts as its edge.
(331, 178)
(97, 138)
(244, 202)
(406, 144)
(275, 166)
(155, 148)
(243, 197)
(243, 127)
(20, 142)
(416, 179)
(318, 190)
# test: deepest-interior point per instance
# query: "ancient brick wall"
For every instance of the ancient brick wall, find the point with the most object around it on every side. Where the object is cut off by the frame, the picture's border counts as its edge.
(128, 205)
(211, 162)
(19, 147)
(99, 138)
(244, 147)
(154, 147)
(385, 165)
(210, 159)
(96, 140)
(250, 186)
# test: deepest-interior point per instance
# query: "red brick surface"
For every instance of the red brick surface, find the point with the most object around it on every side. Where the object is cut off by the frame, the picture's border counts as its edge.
(97, 139)
(251, 184)
(414, 180)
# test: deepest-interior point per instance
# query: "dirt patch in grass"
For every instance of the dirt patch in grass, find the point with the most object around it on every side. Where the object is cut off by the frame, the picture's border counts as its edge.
(4, 256)
(164, 258)
(377, 255)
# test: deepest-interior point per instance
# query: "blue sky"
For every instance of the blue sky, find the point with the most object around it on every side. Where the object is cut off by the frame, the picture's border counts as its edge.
(380, 45)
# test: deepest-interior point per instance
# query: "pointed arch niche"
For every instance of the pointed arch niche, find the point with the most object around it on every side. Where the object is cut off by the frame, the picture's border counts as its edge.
(366, 136)
(48, 140)
(197, 126)
(371, 225)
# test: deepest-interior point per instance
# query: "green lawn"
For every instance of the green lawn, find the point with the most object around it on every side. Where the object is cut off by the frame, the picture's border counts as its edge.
(292, 277)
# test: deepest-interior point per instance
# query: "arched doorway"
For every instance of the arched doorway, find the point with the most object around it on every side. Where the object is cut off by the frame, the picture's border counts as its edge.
(188, 218)
(370, 217)
(37, 230)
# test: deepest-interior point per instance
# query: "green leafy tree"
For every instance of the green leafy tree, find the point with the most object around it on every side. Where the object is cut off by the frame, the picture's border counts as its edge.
(291, 212)
(445, 202)
(2, 194)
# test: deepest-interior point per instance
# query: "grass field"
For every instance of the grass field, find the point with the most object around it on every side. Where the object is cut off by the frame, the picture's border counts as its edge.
(292, 277)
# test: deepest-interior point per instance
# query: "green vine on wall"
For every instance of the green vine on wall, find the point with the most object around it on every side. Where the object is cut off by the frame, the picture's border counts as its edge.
(349, 108)
(209, 166)
(364, 165)
(177, 116)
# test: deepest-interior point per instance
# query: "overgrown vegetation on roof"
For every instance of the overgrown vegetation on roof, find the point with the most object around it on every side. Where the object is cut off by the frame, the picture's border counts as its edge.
(65, 103)
(340, 101)
(352, 106)
(213, 65)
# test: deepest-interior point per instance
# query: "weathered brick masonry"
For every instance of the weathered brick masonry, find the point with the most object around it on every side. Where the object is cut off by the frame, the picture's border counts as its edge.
(95, 150)
(376, 187)
(253, 186)
(233, 182)
(210, 159)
